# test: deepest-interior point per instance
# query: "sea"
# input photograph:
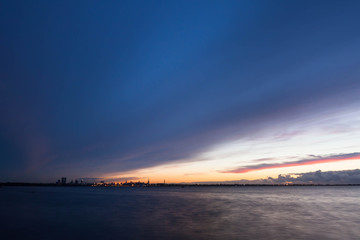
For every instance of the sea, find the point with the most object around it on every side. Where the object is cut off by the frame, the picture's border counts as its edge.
(252, 212)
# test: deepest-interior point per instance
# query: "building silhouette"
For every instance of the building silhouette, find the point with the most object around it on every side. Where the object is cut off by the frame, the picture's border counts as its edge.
(63, 180)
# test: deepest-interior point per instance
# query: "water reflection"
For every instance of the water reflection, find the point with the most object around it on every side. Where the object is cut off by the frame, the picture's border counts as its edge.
(181, 213)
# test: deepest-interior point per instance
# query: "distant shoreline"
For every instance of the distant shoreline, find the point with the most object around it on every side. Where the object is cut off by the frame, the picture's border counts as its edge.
(20, 184)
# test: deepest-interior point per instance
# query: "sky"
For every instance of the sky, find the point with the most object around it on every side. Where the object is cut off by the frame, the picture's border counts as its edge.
(187, 91)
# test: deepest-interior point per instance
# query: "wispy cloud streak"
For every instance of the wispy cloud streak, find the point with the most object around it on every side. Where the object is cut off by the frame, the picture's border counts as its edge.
(302, 162)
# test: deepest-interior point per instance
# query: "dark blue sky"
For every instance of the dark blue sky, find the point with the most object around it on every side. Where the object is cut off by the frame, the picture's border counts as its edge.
(90, 87)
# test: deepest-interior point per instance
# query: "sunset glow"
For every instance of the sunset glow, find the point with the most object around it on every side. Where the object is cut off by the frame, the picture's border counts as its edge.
(327, 143)
(129, 91)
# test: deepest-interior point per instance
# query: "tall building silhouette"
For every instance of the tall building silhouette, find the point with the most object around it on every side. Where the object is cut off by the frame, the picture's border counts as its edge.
(63, 180)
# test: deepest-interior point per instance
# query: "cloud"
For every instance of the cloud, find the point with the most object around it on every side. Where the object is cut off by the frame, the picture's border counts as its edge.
(318, 177)
(146, 94)
(302, 162)
(263, 159)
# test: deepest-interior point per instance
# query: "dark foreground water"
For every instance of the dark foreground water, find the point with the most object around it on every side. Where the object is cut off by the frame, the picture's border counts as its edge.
(180, 213)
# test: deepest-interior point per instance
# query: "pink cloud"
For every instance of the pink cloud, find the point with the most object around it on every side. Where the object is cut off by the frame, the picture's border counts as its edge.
(303, 162)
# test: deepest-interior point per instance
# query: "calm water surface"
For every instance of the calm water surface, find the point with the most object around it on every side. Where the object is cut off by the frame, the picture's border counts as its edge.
(180, 213)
